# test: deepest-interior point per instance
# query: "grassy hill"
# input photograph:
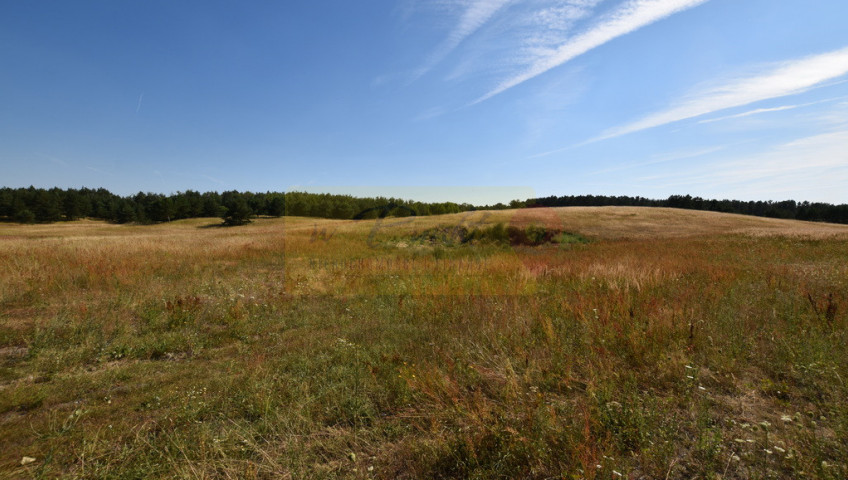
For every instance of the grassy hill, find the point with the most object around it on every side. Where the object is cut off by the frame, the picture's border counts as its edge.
(650, 343)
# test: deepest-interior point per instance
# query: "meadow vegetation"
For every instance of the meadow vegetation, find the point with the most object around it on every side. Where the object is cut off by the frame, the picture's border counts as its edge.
(594, 343)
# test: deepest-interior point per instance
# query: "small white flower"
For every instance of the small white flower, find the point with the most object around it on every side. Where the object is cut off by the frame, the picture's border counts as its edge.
(786, 418)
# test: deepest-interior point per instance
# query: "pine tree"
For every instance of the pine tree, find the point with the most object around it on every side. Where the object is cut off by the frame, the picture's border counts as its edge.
(238, 212)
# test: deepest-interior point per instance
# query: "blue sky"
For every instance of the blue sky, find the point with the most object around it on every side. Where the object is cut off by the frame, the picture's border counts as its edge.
(464, 100)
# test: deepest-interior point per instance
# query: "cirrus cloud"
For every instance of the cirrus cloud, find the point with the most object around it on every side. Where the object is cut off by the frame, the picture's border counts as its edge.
(784, 79)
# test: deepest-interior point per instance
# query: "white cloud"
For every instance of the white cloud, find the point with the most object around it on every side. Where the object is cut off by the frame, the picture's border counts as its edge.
(810, 168)
(758, 111)
(477, 13)
(519, 36)
(632, 16)
(430, 113)
(544, 29)
(787, 78)
(753, 112)
(665, 158)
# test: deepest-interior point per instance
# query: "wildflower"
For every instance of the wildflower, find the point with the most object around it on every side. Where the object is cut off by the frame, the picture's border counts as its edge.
(786, 418)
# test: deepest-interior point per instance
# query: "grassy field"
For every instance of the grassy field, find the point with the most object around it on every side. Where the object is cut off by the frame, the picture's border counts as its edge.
(640, 344)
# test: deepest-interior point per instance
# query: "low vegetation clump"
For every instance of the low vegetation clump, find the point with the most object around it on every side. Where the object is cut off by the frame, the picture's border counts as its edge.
(674, 345)
(500, 234)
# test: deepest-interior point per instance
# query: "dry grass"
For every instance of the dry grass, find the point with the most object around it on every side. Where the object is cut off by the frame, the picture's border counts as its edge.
(676, 344)
(651, 223)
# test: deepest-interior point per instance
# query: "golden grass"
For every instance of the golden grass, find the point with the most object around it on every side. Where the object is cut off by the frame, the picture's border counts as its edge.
(310, 348)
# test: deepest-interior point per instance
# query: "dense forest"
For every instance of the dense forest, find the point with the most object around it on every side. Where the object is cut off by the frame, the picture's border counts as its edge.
(31, 205)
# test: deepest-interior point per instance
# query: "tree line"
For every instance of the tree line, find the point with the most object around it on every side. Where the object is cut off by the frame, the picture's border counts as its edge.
(31, 205)
(788, 209)
(38, 205)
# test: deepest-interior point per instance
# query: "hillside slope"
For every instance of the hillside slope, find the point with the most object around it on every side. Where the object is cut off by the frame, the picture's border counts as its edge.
(672, 344)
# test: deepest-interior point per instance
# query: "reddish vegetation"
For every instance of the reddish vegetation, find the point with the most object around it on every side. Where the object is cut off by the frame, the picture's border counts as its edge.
(669, 344)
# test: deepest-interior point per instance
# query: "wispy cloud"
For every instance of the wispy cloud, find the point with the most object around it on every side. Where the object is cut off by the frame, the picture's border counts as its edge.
(787, 78)
(212, 179)
(97, 170)
(546, 26)
(502, 37)
(814, 163)
(665, 158)
(758, 111)
(430, 113)
(56, 160)
(477, 13)
(753, 112)
(632, 16)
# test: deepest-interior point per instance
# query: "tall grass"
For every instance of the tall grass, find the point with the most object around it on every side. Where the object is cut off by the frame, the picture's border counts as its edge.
(324, 349)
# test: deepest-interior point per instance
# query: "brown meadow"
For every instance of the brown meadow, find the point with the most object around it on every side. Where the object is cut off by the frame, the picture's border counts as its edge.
(659, 343)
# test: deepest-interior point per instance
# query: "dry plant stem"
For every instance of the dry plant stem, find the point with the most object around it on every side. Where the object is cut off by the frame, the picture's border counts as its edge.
(655, 343)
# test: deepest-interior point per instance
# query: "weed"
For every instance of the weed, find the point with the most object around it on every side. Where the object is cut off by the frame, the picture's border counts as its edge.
(673, 345)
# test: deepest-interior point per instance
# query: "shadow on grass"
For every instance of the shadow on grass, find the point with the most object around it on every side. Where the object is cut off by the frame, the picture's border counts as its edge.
(224, 225)
(215, 225)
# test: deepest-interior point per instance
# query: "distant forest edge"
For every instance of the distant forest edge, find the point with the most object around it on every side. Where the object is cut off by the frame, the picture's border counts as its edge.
(38, 205)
